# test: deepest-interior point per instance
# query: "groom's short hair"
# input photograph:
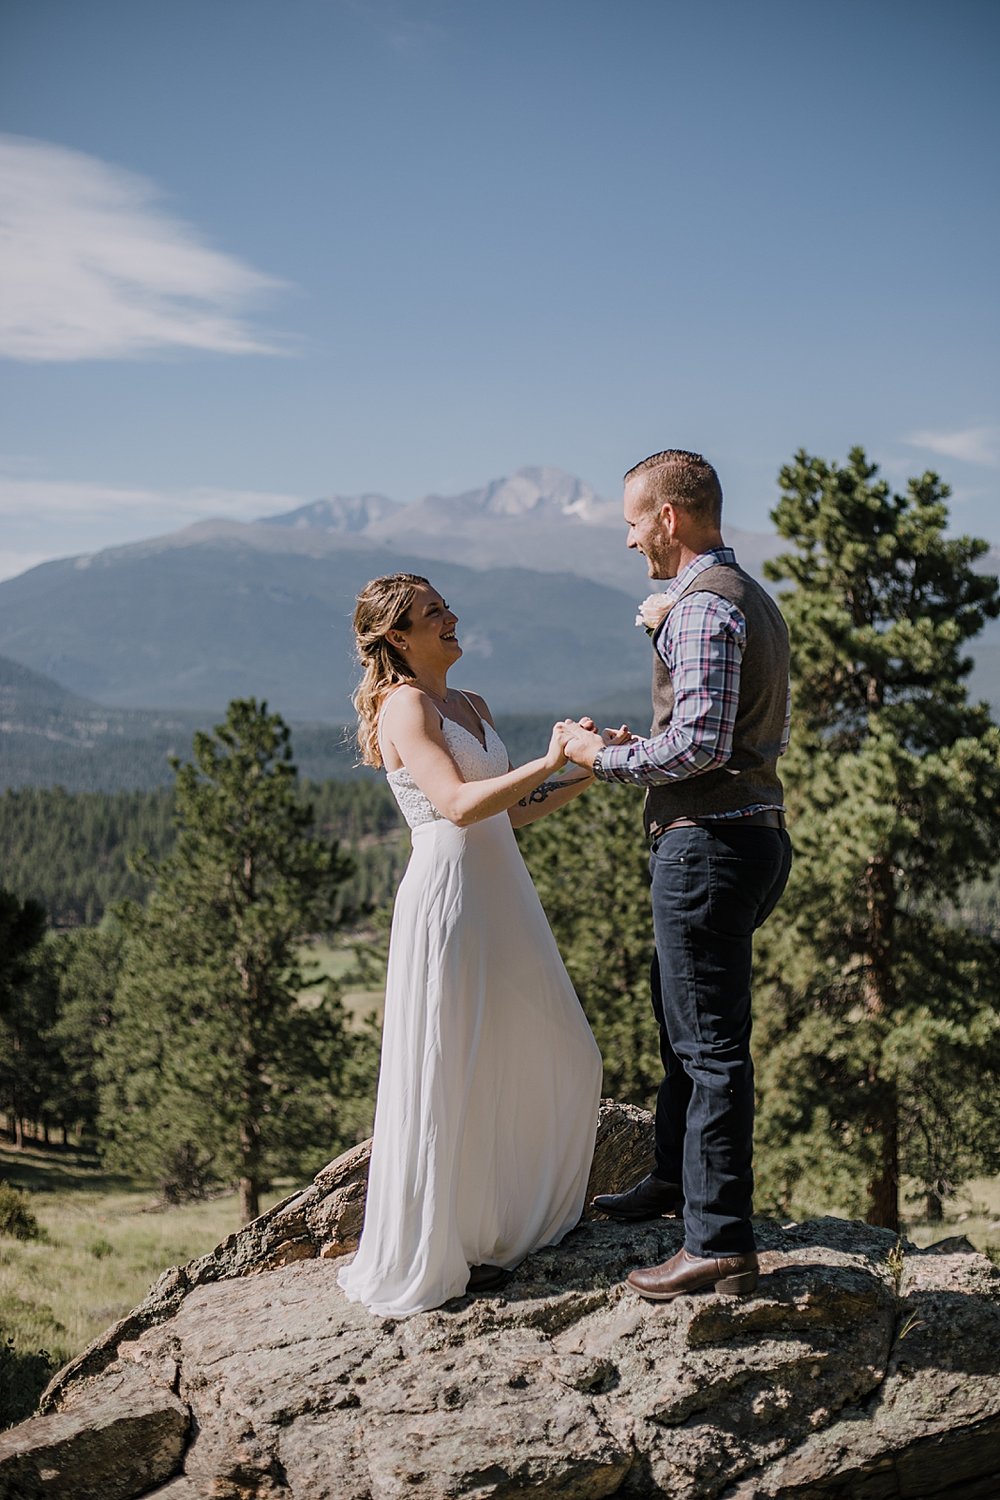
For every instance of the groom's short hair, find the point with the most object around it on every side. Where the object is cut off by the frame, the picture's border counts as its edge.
(684, 479)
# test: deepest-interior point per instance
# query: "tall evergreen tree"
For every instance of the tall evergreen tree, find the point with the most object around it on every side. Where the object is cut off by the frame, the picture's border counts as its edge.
(878, 1041)
(87, 963)
(26, 1011)
(213, 1069)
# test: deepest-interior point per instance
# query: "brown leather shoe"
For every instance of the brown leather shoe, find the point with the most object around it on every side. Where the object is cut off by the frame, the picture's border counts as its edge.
(649, 1199)
(485, 1278)
(684, 1273)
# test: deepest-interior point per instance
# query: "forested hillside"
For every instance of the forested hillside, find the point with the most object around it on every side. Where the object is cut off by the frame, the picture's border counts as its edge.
(74, 852)
(51, 737)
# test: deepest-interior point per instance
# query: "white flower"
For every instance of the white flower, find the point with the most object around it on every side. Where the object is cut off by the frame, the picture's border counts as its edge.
(652, 612)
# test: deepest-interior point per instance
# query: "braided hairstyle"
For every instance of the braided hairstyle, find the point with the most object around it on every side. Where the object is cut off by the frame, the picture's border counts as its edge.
(382, 605)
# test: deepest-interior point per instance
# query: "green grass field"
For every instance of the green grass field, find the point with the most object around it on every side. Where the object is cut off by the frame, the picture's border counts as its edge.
(975, 1212)
(106, 1239)
(106, 1242)
(321, 961)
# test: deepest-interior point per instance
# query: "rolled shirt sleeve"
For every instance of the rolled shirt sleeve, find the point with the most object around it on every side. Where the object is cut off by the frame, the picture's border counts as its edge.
(701, 642)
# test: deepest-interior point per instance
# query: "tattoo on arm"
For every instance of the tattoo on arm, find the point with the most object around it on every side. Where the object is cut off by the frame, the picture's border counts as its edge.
(541, 793)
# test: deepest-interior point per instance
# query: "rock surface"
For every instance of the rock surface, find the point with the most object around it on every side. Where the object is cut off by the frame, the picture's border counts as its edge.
(111, 1440)
(857, 1370)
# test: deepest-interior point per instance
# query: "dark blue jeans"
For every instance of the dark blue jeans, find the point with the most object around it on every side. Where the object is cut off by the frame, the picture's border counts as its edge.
(711, 890)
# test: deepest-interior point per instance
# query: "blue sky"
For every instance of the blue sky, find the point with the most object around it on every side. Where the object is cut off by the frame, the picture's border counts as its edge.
(259, 251)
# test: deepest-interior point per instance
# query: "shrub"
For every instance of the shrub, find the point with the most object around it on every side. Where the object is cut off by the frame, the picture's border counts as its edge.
(23, 1378)
(16, 1219)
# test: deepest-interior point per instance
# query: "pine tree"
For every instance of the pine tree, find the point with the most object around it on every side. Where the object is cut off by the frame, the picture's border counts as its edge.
(24, 1011)
(87, 964)
(213, 1069)
(877, 1034)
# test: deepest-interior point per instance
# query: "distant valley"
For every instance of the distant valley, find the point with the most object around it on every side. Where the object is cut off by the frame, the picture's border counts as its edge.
(50, 737)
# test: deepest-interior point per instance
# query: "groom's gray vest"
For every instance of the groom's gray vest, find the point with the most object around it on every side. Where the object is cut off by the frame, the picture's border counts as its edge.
(751, 774)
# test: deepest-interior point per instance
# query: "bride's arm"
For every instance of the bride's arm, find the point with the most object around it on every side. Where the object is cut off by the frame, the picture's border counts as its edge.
(549, 797)
(552, 794)
(413, 726)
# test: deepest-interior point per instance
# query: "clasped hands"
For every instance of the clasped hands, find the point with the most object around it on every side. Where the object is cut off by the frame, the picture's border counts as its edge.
(580, 740)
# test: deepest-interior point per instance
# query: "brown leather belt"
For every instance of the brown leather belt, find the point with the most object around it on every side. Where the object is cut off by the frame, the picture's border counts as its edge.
(771, 817)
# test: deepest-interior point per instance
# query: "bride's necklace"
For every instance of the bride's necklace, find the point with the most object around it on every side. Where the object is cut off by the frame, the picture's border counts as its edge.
(432, 694)
(478, 734)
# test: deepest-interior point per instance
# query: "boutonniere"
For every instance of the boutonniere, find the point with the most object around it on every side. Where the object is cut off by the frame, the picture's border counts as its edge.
(652, 612)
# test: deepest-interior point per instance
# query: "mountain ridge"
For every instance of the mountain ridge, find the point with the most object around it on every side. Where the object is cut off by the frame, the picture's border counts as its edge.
(191, 628)
(534, 563)
(562, 525)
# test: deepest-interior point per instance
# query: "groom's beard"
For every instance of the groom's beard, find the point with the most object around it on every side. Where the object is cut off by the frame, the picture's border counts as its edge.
(662, 568)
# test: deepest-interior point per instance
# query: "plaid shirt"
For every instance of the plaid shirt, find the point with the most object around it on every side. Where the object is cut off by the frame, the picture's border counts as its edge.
(701, 642)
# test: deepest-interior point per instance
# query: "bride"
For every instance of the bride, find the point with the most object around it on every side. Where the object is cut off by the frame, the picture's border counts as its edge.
(490, 1078)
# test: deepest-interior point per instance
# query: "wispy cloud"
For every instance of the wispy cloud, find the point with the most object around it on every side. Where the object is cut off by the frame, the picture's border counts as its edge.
(399, 27)
(44, 519)
(72, 500)
(970, 445)
(94, 268)
(13, 563)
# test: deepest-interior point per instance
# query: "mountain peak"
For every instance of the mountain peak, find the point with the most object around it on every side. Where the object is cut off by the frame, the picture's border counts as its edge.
(539, 488)
(350, 513)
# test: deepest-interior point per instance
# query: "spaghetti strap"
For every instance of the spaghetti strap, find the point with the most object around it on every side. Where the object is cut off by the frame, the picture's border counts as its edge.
(482, 737)
(385, 705)
(388, 696)
(478, 715)
(378, 722)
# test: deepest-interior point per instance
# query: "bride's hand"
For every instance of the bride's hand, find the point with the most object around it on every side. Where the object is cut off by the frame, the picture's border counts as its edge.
(555, 756)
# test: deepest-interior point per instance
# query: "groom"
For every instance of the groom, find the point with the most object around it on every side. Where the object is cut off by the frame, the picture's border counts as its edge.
(719, 860)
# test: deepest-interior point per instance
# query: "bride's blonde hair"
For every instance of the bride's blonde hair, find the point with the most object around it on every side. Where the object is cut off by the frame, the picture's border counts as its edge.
(382, 605)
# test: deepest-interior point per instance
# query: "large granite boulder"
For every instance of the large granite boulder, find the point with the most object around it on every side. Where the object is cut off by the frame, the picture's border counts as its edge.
(861, 1369)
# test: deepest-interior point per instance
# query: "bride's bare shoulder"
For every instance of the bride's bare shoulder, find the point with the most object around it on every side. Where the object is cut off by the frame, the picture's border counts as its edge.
(407, 717)
(408, 705)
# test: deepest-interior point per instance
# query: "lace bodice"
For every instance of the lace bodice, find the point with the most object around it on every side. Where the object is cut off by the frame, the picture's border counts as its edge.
(475, 764)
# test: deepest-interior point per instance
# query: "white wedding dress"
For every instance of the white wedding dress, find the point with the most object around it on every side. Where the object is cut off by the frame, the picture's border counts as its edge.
(490, 1077)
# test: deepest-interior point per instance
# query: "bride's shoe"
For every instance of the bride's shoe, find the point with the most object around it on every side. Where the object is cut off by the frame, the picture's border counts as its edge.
(485, 1279)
